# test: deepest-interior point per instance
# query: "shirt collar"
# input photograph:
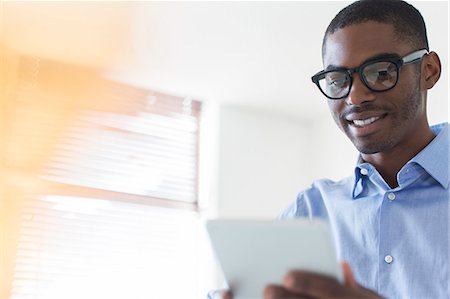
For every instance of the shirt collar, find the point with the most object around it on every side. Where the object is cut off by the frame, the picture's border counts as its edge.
(434, 159)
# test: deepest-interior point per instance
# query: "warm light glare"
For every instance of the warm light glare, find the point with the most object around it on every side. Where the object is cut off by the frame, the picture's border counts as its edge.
(98, 178)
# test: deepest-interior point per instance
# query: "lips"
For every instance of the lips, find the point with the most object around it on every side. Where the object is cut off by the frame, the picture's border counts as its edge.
(365, 123)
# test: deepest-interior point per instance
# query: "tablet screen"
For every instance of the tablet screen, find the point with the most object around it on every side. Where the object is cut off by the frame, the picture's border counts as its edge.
(254, 253)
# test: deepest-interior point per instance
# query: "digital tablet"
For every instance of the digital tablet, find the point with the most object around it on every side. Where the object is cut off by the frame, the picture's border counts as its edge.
(254, 253)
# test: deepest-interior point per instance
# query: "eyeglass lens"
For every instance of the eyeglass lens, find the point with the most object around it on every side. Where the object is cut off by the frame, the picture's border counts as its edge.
(378, 76)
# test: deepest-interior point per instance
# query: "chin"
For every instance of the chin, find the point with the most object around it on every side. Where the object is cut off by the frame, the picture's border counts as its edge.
(369, 149)
(373, 148)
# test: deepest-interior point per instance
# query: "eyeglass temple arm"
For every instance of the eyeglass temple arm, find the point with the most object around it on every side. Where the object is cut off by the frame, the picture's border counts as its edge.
(414, 57)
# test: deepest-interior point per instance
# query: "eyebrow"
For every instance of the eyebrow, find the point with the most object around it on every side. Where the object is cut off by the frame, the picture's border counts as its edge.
(332, 67)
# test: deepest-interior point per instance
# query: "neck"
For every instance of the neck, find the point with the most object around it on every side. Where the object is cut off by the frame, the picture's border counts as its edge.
(388, 163)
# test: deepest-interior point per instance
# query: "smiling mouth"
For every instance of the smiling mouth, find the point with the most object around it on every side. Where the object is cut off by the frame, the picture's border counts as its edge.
(364, 122)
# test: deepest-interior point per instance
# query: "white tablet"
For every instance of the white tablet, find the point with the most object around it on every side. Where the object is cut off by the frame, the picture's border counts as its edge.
(254, 253)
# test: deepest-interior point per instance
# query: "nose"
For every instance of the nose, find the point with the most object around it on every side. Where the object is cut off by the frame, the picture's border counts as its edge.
(359, 93)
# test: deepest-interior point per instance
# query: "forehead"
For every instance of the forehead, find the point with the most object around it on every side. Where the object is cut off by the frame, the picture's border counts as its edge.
(354, 44)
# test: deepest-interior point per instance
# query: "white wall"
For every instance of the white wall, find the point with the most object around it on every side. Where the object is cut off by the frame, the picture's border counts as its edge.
(262, 157)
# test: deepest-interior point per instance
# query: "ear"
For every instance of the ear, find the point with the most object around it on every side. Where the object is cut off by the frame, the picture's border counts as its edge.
(431, 70)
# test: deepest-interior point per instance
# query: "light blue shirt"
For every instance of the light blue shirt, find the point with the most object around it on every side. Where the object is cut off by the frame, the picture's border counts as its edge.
(396, 240)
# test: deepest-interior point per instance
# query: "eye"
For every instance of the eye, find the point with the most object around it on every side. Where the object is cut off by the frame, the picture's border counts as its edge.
(380, 74)
(336, 80)
(383, 75)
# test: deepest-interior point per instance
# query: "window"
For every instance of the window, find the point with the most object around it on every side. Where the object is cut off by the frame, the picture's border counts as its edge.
(101, 195)
(79, 247)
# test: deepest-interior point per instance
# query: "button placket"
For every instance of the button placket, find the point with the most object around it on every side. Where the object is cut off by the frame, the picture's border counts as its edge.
(387, 258)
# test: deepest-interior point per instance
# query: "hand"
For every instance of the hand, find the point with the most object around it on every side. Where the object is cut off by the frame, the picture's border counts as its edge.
(226, 294)
(301, 284)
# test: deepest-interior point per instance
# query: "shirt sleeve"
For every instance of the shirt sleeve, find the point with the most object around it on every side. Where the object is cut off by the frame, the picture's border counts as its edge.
(308, 204)
(297, 209)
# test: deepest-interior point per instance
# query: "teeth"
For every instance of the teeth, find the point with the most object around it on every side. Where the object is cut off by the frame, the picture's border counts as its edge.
(364, 122)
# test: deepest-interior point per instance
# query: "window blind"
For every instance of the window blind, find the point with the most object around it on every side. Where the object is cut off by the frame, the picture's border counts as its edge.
(112, 208)
(71, 247)
(97, 133)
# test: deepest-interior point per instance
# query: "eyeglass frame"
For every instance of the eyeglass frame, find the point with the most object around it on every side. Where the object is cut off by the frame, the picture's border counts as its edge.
(398, 61)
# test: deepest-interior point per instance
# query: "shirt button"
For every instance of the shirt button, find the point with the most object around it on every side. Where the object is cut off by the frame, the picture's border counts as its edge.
(388, 259)
(364, 171)
(391, 196)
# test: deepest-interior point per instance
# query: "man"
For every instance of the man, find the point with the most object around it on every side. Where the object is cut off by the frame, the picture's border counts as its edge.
(391, 217)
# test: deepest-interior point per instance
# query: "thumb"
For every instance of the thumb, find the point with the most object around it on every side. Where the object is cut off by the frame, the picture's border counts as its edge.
(348, 275)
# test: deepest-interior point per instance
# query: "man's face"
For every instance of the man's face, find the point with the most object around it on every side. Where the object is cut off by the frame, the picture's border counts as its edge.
(375, 121)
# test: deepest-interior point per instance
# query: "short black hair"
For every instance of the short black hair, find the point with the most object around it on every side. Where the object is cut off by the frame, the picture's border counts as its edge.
(408, 23)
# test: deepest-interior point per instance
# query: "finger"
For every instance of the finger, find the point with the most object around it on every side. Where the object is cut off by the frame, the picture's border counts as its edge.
(221, 294)
(320, 286)
(227, 295)
(303, 280)
(348, 275)
(274, 291)
(279, 292)
(313, 285)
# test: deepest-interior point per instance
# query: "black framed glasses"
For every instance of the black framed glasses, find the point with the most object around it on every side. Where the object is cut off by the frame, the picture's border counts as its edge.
(379, 74)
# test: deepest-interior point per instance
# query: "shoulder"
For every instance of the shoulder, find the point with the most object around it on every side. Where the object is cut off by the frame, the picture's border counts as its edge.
(312, 202)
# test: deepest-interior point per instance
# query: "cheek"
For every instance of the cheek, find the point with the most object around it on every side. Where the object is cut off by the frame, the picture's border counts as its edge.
(335, 108)
(406, 96)
(409, 80)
